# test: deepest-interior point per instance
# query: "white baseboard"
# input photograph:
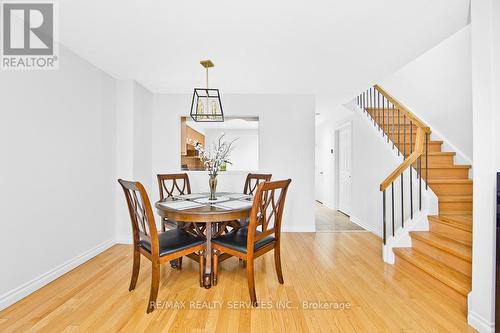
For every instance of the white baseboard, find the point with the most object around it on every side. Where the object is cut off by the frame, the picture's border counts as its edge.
(363, 225)
(479, 323)
(29, 287)
(124, 239)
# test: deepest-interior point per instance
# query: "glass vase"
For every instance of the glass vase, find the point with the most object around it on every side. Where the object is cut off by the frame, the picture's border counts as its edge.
(212, 183)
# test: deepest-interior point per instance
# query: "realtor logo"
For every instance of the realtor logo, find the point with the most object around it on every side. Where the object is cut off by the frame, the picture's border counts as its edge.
(28, 34)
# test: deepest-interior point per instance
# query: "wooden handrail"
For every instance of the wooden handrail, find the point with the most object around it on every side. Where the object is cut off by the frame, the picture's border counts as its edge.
(419, 123)
(398, 115)
(419, 150)
(422, 131)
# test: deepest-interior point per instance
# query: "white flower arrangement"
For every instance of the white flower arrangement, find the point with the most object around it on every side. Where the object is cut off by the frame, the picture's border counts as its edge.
(218, 155)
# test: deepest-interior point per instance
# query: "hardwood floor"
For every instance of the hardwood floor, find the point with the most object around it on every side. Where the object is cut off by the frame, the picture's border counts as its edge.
(318, 267)
(329, 220)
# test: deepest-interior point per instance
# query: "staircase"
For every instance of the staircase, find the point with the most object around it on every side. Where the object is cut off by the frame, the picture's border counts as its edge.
(444, 253)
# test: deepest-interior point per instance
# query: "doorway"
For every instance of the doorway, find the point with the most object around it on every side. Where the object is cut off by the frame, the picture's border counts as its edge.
(344, 168)
(333, 162)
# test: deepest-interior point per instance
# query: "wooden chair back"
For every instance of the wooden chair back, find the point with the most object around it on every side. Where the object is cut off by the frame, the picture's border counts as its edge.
(173, 184)
(267, 211)
(253, 180)
(141, 215)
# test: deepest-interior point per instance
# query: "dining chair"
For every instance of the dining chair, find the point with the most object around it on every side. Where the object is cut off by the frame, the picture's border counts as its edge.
(253, 180)
(171, 185)
(157, 247)
(248, 243)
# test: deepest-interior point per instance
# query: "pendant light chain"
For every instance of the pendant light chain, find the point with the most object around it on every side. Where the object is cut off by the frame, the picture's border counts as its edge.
(207, 76)
(207, 110)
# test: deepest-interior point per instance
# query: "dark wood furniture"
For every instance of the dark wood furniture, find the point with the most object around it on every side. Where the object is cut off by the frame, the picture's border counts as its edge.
(171, 185)
(253, 180)
(248, 243)
(158, 248)
(208, 222)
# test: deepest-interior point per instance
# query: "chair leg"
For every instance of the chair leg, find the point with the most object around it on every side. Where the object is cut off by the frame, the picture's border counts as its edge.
(179, 263)
(163, 225)
(155, 284)
(251, 282)
(215, 267)
(277, 263)
(135, 269)
(202, 266)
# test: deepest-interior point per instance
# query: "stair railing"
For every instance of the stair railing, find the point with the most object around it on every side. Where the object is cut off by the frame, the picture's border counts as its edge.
(383, 109)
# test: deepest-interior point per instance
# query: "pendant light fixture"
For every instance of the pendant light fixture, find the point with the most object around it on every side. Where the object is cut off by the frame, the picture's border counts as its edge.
(206, 105)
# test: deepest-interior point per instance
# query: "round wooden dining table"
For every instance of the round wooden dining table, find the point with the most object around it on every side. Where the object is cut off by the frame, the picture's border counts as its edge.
(209, 221)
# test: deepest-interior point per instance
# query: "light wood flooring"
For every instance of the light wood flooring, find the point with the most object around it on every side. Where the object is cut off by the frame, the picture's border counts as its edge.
(342, 268)
(329, 220)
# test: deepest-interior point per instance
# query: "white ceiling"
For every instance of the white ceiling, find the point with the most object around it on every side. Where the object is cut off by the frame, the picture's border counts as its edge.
(329, 48)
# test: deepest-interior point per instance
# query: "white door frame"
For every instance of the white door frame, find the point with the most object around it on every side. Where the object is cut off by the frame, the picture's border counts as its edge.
(337, 166)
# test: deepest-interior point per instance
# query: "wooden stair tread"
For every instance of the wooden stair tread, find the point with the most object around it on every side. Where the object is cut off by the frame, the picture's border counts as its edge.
(435, 155)
(444, 166)
(449, 181)
(455, 198)
(431, 142)
(455, 221)
(458, 231)
(441, 153)
(393, 124)
(390, 130)
(449, 245)
(457, 212)
(452, 278)
(445, 252)
(465, 218)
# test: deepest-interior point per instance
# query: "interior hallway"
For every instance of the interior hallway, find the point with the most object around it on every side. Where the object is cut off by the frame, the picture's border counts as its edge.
(330, 220)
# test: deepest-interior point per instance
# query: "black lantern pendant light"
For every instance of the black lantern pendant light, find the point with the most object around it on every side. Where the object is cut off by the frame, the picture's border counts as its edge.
(206, 105)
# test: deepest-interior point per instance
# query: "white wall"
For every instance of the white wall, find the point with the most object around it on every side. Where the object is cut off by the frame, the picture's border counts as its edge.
(143, 136)
(286, 146)
(134, 147)
(372, 161)
(437, 87)
(245, 155)
(124, 142)
(57, 172)
(485, 15)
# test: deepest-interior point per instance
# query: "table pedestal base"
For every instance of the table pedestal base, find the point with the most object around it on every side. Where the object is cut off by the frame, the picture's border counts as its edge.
(207, 281)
